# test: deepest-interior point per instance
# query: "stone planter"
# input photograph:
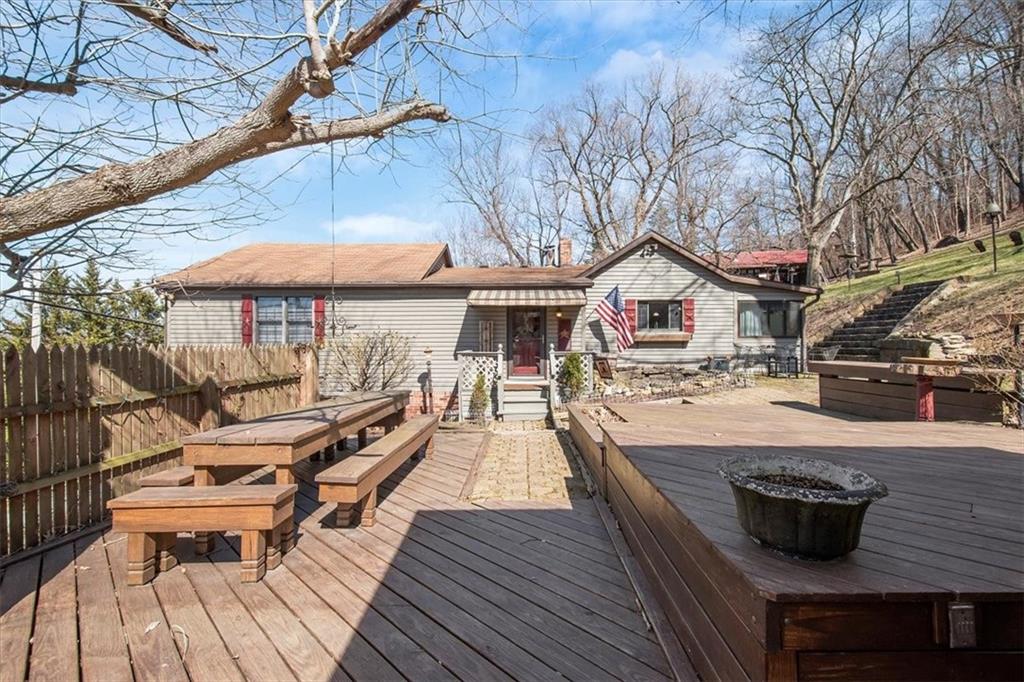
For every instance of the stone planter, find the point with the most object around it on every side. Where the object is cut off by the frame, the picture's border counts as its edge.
(782, 502)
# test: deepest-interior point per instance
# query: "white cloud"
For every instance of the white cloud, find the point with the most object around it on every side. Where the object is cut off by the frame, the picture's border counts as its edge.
(625, 64)
(382, 227)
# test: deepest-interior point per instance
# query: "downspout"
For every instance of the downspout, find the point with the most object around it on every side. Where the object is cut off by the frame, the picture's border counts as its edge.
(803, 330)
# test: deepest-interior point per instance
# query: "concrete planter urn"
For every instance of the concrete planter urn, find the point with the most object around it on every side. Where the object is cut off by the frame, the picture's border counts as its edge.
(805, 508)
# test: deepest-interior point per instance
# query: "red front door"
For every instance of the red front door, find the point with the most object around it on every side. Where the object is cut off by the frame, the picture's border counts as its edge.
(526, 329)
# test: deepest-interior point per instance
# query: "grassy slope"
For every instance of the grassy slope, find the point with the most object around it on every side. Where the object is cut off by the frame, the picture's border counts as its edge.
(985, 294)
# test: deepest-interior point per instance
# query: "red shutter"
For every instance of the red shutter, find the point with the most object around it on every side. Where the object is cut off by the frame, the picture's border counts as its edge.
(246, 320)
(318, 319)
(689, 315)
(631, 314)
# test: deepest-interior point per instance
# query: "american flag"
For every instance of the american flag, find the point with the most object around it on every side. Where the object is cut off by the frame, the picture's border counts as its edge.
(612, 310)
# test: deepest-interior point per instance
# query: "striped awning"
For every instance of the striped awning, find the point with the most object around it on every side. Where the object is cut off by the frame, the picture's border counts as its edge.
(527, 297)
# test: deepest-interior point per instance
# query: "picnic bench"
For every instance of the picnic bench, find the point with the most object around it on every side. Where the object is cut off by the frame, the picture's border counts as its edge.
(353, 481)
(152, 517)
(281, 440)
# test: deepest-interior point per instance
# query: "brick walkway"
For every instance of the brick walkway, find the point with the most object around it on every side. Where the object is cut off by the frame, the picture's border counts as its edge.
(526, 461)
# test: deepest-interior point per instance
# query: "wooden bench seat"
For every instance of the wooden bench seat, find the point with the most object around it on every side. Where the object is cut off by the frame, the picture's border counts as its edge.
(152, 517)
(353, 481)
(175, 477)
(185, 475)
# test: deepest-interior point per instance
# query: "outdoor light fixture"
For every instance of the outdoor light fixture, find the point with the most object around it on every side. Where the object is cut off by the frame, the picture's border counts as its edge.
(558, 312)
(994, 213)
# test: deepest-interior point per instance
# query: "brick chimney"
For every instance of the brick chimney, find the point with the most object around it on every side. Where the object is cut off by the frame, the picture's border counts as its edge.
(564, 252)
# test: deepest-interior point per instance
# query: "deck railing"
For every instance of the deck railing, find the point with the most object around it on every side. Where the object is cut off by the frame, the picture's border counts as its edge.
(491, 364)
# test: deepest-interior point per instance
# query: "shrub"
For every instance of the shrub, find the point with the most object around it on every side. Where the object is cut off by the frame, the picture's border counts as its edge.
(573, 377)
(370, 361)
(479, 400)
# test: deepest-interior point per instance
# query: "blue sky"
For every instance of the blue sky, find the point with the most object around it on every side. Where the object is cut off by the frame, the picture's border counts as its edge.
(566, 42)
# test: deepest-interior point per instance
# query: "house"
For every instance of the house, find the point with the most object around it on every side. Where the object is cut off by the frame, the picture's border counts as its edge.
(780, 265)
(514, 324)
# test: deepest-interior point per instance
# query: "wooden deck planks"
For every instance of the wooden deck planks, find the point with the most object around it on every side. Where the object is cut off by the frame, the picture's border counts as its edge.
(439, 589)
(103, 650)
(203, 652)
(153, 651)
(18, 591)
(55, 636)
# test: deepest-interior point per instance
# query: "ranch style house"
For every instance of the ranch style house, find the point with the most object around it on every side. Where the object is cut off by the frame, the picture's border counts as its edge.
(514, 324)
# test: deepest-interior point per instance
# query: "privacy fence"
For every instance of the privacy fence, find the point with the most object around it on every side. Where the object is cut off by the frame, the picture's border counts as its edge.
(82, 425)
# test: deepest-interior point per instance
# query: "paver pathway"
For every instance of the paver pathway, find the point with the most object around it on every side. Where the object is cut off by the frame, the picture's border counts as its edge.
(527, 461)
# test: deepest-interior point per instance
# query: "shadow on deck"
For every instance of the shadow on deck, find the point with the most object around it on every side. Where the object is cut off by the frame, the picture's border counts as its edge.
(437, 589)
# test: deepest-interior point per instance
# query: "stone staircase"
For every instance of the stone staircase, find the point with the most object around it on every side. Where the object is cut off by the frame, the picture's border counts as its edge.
(858, 340)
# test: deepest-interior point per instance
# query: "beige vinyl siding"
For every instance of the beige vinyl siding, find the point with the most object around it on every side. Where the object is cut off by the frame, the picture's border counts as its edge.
(436, 318)
(204, 318)
(667, 276)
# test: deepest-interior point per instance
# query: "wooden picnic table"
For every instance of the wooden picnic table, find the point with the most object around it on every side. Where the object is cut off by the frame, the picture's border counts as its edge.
(281, 440)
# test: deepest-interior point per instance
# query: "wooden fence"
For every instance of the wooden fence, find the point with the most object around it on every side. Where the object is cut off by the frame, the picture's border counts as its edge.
(81, 425)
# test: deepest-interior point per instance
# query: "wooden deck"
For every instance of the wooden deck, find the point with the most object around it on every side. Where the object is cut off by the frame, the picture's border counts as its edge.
(437, 589)
(950, 534)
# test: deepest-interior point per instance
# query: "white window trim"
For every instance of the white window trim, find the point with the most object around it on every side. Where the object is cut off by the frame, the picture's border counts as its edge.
(284, 318)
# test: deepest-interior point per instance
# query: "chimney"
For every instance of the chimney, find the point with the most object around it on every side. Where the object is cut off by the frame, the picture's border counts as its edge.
(564, 252)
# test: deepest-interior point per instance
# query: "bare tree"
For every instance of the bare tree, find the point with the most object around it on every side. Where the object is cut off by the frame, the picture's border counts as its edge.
(116, 111)
(825, 99)
(495, 189)
(616, 154)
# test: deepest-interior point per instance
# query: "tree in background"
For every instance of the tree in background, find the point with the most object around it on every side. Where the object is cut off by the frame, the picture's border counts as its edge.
(89, 310)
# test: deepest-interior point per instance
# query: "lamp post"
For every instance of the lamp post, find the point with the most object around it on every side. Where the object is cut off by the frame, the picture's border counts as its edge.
(428, 351)
(993, 212)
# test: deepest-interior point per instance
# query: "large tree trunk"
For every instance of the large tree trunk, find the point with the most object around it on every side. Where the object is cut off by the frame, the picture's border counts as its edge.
(267, 128)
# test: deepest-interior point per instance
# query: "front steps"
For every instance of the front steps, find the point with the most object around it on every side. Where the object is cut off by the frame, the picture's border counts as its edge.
(858, 340)
(526, 399)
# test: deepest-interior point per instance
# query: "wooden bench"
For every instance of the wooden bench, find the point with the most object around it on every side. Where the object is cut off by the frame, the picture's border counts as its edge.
(185, 475)
(353, 481)
(152, 518)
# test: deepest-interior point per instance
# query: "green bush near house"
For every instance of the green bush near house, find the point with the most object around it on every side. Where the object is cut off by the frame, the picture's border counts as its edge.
(573, 377)
(479, 401)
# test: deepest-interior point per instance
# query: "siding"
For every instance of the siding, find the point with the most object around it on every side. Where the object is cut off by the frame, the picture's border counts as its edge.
(438, 319)
(204, 318)
(670, 277)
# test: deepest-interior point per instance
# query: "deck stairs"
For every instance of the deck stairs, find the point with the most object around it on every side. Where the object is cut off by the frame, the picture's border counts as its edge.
(526, 398)
(859, 339)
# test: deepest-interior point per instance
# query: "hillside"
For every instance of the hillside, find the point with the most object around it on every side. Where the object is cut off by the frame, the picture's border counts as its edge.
(968, 309)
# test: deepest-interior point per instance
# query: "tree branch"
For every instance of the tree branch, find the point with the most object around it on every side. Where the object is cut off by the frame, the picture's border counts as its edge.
(157, 18)
(267, 127)
(24, 85)
(350, 128)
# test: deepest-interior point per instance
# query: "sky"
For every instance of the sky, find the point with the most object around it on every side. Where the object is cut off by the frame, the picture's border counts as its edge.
(563, 44)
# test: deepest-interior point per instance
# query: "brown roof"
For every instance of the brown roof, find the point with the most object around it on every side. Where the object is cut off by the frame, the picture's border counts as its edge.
(510, 276)
(297, 265)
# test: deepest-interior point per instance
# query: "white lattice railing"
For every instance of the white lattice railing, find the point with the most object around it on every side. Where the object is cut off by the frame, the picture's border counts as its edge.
(492, 366)
(556, 359)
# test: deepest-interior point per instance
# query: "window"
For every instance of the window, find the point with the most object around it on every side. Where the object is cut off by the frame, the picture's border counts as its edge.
(300, 319)
(284, 319)
(769, 318)
(268, 319)
(658, 315)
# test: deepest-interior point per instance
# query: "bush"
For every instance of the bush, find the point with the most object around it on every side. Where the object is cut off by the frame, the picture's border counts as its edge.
(370, 361)
(573, 377)
(479, 400)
